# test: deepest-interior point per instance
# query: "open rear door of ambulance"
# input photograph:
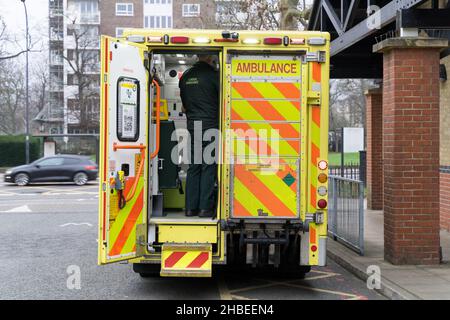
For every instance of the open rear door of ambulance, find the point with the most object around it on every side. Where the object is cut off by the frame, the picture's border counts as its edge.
(123, 147)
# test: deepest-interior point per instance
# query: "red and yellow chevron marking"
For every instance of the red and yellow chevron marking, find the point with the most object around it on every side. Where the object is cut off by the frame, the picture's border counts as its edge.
(261, 191)
(179, 259)
(269, 119)
(122, 233)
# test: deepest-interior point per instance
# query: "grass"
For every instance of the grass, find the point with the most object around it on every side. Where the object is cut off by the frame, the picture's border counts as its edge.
(334, 158)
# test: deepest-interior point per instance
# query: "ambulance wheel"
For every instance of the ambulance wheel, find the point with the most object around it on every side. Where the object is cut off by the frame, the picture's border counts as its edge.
(289, 266)
(147, 270)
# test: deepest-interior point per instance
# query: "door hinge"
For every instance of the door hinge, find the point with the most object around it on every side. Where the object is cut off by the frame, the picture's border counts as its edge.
(313, 98)
(316, 56)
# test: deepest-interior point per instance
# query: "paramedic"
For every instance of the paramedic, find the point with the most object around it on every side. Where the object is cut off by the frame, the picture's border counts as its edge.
(199, 90)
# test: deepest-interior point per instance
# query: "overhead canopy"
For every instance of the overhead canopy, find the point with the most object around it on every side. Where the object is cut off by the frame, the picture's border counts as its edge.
(353, 32)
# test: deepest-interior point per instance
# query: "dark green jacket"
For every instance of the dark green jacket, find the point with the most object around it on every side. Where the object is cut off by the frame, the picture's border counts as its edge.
(199, 90)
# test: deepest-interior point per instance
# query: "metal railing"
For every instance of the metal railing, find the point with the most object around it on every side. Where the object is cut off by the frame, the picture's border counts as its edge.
(346, 212)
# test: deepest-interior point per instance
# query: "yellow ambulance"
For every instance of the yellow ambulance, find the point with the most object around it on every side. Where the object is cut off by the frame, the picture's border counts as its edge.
(271, 191)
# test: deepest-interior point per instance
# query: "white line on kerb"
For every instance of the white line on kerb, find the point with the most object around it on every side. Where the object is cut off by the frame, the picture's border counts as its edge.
(76, 224)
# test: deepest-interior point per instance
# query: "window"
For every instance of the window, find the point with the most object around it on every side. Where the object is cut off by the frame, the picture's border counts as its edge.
(70, 161)
(119, 32)
(124, 9)
(157, 22)
(50, 162)
(191, 10)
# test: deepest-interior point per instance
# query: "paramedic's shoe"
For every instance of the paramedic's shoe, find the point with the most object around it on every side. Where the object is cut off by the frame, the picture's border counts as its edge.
(206, 214)
(191, 213)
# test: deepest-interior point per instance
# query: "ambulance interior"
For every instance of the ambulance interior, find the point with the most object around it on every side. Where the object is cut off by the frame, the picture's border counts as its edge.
(169, 178)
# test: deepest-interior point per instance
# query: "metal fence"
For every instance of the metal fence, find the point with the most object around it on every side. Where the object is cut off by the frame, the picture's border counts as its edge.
(349, 171)
(346, 212)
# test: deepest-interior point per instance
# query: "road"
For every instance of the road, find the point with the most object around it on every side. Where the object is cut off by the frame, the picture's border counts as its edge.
(49, 230)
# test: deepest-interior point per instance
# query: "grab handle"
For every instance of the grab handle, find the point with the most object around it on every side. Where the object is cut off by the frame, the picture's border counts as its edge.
(141, 165)
(158, 120)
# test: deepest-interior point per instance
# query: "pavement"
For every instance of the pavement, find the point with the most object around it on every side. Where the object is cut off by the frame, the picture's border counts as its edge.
(48, 233)
(397, 282)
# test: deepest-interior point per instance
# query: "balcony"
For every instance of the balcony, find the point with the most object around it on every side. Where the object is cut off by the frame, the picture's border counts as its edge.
(90, 19)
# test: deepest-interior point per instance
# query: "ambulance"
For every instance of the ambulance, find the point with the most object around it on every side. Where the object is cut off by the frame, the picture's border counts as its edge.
(271, 191)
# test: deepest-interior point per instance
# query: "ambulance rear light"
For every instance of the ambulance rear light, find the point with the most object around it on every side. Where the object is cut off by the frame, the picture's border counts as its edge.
(225, 40)
(154, 39)
(201, 40)
(179, 40)
(322, 165)
(297, 41)
(273, 41)
(313, 248)
(251, 41)
(316, 41)
(136, 38)
(322, 203)
(322, 178)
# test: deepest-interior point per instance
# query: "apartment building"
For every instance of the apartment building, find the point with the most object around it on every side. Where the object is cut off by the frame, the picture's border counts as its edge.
(74, 51)
(194, 14)
(119, 15)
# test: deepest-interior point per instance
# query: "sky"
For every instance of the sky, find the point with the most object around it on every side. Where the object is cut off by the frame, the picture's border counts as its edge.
(13, 14)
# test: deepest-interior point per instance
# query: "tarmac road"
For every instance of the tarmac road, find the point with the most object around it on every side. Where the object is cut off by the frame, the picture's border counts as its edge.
(49, 230)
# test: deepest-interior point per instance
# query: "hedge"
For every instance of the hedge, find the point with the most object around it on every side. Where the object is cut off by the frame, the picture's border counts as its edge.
(12, 150)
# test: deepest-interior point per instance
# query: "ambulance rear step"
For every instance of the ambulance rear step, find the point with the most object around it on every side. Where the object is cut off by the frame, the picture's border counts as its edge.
(186, 260)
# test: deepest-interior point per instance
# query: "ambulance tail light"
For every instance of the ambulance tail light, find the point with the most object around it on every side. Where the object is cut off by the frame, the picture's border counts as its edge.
(322, 203)
(273, 41)
(322, 178)
(201, 40)
(322, 164)
(179, 40)
(154, 39)
(136, 39)
(251, 41)
(297, 41)
(225, 40)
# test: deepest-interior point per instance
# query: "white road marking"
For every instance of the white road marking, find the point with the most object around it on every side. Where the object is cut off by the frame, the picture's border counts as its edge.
(19, 209)
(76, 224)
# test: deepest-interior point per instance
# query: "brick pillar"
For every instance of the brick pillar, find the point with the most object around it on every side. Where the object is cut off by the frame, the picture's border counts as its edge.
(374, 134)
(411, 149)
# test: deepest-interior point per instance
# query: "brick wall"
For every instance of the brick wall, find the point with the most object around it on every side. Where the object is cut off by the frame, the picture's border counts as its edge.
(206, 20)
(374, 130)
(411, 155)
(109, 20)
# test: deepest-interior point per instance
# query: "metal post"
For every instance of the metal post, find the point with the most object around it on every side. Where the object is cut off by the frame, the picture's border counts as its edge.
(361, 218)
(342, 152)
(27, 124)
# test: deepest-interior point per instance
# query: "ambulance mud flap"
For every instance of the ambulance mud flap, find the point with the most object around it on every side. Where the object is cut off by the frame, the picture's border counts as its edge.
(186, 260)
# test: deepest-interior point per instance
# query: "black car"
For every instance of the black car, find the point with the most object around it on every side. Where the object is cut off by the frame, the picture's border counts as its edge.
(78, 169)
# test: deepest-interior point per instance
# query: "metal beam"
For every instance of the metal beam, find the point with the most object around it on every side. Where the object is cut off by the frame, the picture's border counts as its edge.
(351, 13)
(385, 15)
(332, 16)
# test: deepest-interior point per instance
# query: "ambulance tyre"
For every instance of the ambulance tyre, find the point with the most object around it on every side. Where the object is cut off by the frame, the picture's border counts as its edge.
(289, 266)
(147, 270)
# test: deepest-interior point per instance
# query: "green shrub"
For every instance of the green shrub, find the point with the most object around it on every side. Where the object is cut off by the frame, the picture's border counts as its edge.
(12, 150)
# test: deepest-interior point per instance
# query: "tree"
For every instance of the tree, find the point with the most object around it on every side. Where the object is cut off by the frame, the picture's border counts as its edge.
(12, 98)
(292, 13)
(248, 15)
(83, 61)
